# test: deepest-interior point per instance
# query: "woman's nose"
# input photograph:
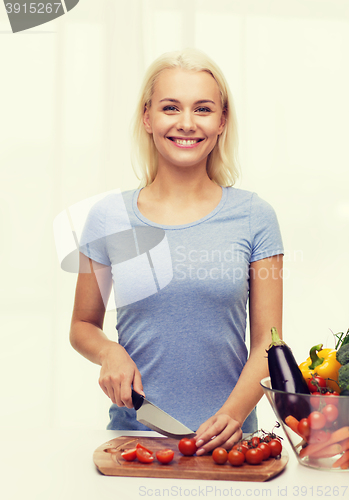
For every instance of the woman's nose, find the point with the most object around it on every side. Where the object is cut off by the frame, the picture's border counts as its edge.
(186, 122)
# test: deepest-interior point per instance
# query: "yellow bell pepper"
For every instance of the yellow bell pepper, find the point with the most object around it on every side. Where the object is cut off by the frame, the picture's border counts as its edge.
(322, 362)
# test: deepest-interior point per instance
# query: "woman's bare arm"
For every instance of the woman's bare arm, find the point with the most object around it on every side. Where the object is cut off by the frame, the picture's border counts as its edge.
(118, 371)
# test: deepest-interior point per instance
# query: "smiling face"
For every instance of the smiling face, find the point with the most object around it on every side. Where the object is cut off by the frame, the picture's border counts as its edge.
(185, 117)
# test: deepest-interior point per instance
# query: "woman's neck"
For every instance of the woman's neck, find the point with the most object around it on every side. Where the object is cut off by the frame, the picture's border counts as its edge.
(183, 186)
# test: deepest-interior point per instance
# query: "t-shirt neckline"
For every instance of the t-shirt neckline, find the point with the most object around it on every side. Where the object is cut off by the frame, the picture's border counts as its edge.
(180, 226)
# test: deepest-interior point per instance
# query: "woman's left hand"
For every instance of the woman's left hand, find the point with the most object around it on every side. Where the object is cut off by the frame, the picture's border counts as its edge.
(219, 430)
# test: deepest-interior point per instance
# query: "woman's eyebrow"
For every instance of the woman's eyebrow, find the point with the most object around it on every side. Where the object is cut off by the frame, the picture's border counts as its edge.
(201, 101)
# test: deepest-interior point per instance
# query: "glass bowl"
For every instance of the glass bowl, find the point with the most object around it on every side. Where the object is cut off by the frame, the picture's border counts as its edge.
(316, 450)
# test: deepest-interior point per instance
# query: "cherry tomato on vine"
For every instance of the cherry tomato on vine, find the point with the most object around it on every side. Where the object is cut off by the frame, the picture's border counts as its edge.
(331, 412)
(254, 456)
(255, 441)
(220, 455)
(334, 397)
(144, 456)
(315, 400)
(187, 446)
(315, 383)
(236, 457)
(265, 449)
(241, 447)
(165, 456)
(316, 420)
(275, 447)
(304, 427)
(129, 454)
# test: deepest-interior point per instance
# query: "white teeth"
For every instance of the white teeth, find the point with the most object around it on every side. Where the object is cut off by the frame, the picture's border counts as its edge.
(186, 142)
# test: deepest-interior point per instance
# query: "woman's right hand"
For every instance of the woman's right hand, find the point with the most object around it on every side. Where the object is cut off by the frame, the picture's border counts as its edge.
(118, 373)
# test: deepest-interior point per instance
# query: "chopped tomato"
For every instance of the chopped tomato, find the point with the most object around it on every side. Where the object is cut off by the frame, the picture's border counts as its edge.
(165, 456)
(144, 456)
(143, 448)
(129, 454)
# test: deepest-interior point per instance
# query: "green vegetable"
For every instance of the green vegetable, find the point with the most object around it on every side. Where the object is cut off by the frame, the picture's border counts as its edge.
(342, 339)
(343, 378)
(342, 354)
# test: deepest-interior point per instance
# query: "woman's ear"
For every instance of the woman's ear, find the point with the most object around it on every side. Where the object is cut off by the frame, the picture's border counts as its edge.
(146, 120)
(223, 121)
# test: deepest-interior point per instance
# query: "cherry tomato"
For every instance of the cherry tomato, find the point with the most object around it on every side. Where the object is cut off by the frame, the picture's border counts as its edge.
(144, 456)
(165, 456)
(275, 447)
(143, 448)
(331, 413)
(187, 446)
(304, 427)
(220, 455)
(241, 447)
(236, 457)
(265, 449)
(254, 456)
(129, 454)
(334, 397)
(316, 420)
(319, 382)
(318, 436)
(315, 400)
(255, 441)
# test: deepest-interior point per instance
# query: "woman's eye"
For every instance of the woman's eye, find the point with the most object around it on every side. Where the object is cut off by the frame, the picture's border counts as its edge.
(204, 110)
(169, 108)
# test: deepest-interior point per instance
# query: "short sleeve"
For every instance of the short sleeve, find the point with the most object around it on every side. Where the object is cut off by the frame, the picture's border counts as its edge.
(93, 237)
(266, 237)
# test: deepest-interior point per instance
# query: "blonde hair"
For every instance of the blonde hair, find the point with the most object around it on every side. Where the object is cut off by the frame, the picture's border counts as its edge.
(222, 163)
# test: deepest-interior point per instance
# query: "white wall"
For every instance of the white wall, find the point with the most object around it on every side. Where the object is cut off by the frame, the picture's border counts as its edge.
(67, 93)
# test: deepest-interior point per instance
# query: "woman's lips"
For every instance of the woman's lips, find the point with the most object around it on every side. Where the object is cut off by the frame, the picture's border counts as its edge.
(185, 143)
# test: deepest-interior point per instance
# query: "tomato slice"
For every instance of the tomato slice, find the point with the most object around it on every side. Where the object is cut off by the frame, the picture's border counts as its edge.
(165, 456)
(144, 456)
(129, 454)
(143, 448)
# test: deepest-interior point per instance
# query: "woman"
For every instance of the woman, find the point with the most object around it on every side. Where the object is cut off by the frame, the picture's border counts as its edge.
(183, 343)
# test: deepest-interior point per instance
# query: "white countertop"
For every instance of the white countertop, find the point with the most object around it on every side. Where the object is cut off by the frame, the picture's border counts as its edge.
(58, 464)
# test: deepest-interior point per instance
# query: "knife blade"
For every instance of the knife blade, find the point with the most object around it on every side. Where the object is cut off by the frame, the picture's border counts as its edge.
(158, 420)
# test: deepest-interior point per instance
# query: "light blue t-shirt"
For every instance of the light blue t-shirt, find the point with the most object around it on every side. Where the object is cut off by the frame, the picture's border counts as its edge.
(181, 294)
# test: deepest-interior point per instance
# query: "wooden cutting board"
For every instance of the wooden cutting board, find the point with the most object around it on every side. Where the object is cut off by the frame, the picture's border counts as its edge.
(109, 462)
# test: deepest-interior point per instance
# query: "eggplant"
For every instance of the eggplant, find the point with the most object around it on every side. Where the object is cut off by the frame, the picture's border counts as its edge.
(286, 376)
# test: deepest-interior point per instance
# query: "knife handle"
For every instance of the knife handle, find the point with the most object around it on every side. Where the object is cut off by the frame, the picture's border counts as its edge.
(137, 400)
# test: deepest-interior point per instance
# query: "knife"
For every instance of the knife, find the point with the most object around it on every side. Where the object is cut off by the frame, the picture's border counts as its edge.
(158, 420)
